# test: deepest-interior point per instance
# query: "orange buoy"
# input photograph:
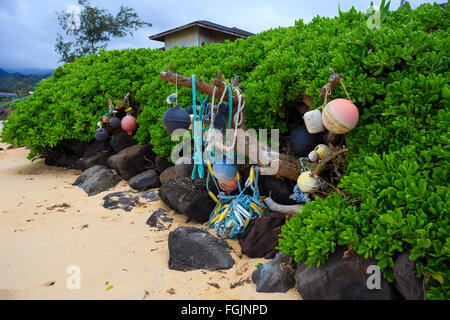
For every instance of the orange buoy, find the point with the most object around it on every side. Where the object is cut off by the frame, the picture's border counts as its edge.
(128, 123)
(228, 186)
(340, 116)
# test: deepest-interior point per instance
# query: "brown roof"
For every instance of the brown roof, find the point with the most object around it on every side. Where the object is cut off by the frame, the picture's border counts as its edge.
(205, 24)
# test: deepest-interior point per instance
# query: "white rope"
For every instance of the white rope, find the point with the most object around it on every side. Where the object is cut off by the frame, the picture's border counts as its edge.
(214, 135)
(238, 118)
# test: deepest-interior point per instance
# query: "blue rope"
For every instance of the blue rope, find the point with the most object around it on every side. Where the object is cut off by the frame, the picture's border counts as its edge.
(198, 136)
(240, 209)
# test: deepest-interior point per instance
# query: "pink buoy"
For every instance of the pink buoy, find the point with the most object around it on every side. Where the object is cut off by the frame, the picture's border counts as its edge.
(228, 186)
(128, 123)
(340, 116)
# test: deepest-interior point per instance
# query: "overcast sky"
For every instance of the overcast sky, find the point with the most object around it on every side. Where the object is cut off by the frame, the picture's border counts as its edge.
(28, 28)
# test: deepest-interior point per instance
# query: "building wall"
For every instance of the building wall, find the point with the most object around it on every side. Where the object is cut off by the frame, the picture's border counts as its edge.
(212, 36)
(183, 38)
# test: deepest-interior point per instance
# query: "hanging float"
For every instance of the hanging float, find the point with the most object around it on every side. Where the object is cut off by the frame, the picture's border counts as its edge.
(340, 116)
(114, 122)
(302, 141)
(308, 183)
(322, 151)
(101, 134)
(128, 123)
(176, 118)
(313, 121)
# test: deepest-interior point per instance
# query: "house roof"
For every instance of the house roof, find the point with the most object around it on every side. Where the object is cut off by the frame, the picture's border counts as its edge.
(205, 24)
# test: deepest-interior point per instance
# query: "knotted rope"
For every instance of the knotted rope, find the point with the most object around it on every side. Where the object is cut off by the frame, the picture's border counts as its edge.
(233, 213)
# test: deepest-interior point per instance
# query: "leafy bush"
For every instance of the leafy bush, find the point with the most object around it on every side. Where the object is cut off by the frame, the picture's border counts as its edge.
(69, 104)
(396, 186)
(395, 189)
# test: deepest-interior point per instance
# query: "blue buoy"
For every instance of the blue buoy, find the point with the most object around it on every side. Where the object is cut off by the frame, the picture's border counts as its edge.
(176, 118)
(225, 171)
(114, 123)
(101, 134)
(302, 142)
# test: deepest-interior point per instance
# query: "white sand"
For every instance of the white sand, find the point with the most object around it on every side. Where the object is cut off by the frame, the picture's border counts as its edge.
(116, 249)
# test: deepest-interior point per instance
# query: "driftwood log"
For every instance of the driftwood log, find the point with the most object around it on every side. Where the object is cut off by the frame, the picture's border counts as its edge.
(286, 209)
(288, 165)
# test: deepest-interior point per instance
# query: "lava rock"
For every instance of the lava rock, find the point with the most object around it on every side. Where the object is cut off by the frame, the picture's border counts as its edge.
(67, 154)
(61, 159)
(125, 200)
(100, 158)
(273, 276)
(167, 174)
(77, 147)
(158, 218)
(261, 236)
(145, 180)
(188, 197)
(97, 179)
(120, 141)
(161, 164)
(184, 167)
(280, 190)
(132, 160)
(341, 278)
(96, 147)
(192, 248)
(406, 282)
(150, 195)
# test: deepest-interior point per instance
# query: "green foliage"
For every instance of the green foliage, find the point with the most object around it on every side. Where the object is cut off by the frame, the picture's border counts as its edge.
(396, 193)
(396, 187)
(92, 28)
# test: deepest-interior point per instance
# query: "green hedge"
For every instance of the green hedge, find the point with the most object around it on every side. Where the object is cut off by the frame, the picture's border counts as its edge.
(396, 186)
(396, 195)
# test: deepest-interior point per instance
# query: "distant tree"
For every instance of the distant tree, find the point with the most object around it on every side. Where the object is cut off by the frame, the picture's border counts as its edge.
(91, 28)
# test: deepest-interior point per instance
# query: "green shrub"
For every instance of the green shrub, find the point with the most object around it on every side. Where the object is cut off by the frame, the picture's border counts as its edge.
(396, 185)
(396, 194)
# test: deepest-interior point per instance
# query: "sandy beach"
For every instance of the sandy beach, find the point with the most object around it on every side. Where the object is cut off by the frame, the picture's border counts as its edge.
(47, 225)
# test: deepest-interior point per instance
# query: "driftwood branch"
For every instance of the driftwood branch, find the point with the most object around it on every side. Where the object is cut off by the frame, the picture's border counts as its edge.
(273, 206)
(200, 85)
(332, 82)
(324, 161)
(122, 103)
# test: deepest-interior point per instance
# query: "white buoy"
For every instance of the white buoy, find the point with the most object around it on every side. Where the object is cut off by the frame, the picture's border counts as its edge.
(323, 151)
(307, 182)
(313, 121)
(313, 156)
